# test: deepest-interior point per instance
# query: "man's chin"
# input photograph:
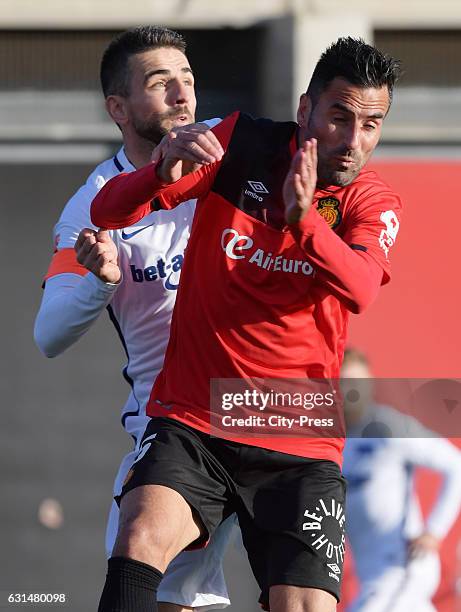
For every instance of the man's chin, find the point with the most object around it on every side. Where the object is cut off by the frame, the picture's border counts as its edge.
(155, 132)
(343, 178)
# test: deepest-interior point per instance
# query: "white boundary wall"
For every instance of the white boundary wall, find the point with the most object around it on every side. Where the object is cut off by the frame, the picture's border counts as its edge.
(215, 13)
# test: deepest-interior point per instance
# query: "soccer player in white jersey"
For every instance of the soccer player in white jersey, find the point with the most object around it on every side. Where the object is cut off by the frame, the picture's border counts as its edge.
(149, 89)
(394, 549)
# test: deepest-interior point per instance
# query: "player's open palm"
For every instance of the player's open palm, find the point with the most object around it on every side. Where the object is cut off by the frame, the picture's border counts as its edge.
(300, 182)
(98, 253)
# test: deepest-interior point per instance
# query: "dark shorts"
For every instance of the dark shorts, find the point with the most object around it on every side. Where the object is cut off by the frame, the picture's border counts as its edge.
(290, 509)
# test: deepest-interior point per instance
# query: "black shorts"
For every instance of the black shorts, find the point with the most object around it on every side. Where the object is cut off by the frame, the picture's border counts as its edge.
(290, 509)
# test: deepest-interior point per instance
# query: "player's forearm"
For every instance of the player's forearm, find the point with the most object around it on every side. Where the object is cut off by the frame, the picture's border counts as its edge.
(448, 503)
(127, 198)
(446, 509)
(70, 306)
(351, 275)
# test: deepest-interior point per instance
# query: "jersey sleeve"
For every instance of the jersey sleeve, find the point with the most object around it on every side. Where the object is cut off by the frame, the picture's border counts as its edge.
(74, 217)
(70, 305)
(127, 198)
(373, 225)
(351, 275)
(72, 298)
(352, 266)
(439, 455)
(64, 261)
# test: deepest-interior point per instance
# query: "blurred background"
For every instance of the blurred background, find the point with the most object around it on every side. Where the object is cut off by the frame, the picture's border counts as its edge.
(60, 436)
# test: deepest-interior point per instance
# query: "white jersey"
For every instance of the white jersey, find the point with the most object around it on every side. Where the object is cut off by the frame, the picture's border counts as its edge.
(150, 254)
(383, 511)
(150, 257)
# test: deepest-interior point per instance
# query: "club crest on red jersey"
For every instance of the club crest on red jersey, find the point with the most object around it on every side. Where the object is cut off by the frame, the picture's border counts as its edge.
(328, 208)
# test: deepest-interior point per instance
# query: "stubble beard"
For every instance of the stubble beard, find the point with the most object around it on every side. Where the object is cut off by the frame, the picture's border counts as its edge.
(328, 175)
(157, 126)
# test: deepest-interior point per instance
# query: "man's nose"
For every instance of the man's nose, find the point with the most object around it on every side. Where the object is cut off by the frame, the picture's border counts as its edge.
(352, 137)
(181, 93)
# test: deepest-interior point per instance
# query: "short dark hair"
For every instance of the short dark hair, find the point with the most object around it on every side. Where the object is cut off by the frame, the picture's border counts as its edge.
(357, 62)
(114, 63)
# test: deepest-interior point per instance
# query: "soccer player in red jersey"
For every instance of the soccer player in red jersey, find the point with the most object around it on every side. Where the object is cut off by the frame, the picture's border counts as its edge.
(290, 235)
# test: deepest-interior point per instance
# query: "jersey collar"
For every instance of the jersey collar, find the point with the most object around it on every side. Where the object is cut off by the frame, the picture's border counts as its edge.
(122, 162)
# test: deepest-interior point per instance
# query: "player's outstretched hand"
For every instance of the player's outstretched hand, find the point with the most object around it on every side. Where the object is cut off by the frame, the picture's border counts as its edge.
(98, 253)
(184, 150)
(300, 182)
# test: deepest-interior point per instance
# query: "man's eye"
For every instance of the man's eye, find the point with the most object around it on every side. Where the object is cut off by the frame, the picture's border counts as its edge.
(158, 84)
(339, 119)
(370, 126)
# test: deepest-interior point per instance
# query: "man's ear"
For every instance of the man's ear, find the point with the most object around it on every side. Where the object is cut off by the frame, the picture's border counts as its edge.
(116, 107)
(304, 110)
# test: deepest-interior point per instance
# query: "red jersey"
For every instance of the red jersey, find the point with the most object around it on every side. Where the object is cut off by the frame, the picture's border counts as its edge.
(259, 299)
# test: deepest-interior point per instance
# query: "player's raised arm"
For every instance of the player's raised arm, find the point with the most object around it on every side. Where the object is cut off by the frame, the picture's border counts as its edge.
(352, 269)
(69, 307)
(439, 455)
(72, 298)
(353, 276)
(127, 198)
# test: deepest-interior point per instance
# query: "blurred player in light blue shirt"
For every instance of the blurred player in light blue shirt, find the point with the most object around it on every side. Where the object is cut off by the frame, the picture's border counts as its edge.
(395, 551)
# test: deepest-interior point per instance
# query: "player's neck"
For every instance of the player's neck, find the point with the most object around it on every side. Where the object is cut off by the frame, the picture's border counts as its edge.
(138, 151)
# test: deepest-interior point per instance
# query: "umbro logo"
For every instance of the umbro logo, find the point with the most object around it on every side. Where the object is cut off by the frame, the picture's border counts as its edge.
(335, 570)
(257, 190)
(257, 186)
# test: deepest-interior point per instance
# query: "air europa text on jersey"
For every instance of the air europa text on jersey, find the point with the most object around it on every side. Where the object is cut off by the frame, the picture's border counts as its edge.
(234, 243)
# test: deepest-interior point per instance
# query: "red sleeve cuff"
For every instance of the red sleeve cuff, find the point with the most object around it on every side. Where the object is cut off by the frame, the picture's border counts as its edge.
(306, 227)
(159, 184)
